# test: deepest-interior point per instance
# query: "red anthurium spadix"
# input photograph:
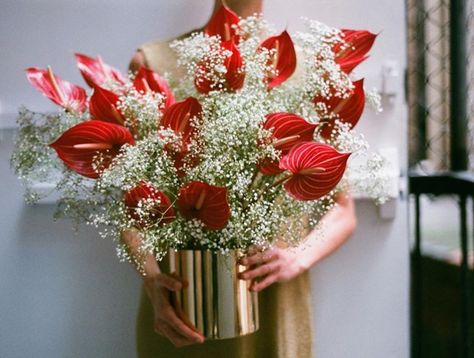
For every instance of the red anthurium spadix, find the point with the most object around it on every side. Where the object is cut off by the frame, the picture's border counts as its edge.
(347, 110)
(205, 202)
(315, 169)
(223, 23)
(96, 72)
(78, 146)
(148, 80)
(156, 204)
(284, 60)
(103, 106)
(234, 76)
(65, 94)
(288, 129)
(354, 51)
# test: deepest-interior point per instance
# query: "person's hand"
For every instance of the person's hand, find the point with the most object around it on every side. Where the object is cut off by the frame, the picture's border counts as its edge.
(269, 266)
(167, 321)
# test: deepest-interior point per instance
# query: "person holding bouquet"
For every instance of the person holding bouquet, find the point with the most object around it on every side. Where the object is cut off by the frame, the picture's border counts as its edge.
(221, 168)
(280, 273)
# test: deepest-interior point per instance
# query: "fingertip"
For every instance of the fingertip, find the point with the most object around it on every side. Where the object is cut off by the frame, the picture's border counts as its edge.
(255, 287)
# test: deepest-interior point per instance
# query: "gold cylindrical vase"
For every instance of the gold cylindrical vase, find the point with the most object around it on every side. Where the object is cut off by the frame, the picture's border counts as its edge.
(215, 301)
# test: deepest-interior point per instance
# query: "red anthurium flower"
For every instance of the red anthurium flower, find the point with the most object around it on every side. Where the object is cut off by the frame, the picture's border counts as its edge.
(223, 23)
(235, 75)
(284, 61)
(160, 208)
(315, 169)
(357, 44)
(71, 97)
(233, 78)
(78, 146)
(96, 72)
(288, 129)
(348, 110)
(178, 118)
(205, 202)
(103, 106)
(148, 80)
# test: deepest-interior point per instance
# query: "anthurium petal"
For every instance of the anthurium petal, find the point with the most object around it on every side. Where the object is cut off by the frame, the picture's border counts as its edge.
(357, 44)
(347, 66)
(178, 117)
(181, 117)
(353, 107)
(148, 80)
(162, 211)
(63, 93)
(207, 203)
(223, 23)
(315, 169)
(289, 130)
(103, 106)
(348, 110)
(235, 75)
(78, 146)
(96, 72)
(203, 84)
(285, 57)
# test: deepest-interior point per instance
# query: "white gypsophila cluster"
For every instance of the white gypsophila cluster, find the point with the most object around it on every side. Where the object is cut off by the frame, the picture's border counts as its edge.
(347, 140)
(227, 150)
(322, 76)
(142, 110)
(255, 27)
(32, 160)
(369, 175)
(191, 52)
(374, 100)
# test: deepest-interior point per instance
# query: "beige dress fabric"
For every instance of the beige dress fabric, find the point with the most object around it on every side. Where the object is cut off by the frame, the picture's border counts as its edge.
(284, 308)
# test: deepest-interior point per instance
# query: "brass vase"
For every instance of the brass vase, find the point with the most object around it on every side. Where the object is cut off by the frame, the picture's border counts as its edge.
(216, 301)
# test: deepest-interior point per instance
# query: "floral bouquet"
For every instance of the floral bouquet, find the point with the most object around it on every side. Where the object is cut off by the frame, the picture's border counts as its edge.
(249, 146)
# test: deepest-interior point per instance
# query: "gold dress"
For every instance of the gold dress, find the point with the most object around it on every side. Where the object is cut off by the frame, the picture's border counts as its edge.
(284, 308)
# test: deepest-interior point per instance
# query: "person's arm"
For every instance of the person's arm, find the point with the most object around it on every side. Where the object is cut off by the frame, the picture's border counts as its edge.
(158, 286)
(281, 264)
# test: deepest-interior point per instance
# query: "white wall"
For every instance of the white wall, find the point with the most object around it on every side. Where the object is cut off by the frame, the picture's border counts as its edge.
(66, 295)
(62, 295)
(48, 32)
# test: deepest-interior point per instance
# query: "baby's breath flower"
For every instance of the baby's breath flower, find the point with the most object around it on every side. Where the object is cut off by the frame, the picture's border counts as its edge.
(230, 144)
